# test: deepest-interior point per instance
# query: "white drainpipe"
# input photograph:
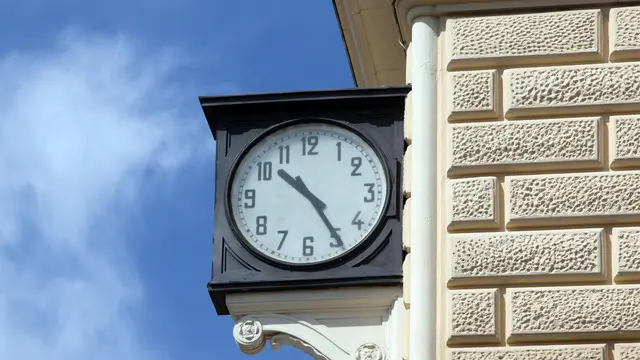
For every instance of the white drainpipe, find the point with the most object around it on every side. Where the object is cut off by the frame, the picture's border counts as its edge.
(423, 231)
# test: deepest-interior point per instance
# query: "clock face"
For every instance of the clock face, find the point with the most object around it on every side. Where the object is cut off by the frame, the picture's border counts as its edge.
(308, 193)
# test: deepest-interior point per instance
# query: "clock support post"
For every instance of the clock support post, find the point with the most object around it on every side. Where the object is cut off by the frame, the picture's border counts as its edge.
(348, 307)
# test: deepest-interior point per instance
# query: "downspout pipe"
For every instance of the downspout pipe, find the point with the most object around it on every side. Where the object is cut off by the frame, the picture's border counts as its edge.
(423, 231)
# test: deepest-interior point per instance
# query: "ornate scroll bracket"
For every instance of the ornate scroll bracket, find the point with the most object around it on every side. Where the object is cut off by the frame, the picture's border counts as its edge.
(251, 337)
(344, 324)
(370, 351)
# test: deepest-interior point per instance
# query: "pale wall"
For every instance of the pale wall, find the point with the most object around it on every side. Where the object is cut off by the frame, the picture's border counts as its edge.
(540, 199)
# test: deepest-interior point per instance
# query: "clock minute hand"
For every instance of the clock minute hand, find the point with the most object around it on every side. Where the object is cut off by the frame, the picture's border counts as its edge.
(320, 206)
(332, 229)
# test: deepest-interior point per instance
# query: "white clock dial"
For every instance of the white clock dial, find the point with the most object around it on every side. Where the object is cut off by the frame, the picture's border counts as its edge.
(308, 193)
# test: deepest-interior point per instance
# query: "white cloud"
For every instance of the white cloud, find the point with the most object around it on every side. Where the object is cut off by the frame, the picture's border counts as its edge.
(79, 125)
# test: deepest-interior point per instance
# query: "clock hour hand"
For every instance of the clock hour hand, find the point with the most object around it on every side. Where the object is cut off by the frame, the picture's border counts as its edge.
(300, 186)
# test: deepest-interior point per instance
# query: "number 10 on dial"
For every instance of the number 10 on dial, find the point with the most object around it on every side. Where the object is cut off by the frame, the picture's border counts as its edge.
(308, 193)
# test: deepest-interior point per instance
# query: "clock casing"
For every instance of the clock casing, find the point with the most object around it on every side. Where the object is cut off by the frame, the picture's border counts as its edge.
(245, 126)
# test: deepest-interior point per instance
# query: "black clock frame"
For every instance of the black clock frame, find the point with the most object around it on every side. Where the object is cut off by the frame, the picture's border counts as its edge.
(321, 264)
(238, 122)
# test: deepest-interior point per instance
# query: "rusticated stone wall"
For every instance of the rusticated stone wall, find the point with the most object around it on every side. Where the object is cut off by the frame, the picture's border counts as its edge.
(540, 245)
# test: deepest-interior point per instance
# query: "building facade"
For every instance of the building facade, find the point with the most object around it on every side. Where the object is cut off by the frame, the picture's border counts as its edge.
(522, 172)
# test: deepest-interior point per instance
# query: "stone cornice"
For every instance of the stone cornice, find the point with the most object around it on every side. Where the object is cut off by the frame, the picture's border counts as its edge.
(376, 49)
(408, 10)
(372, 40)
(360, 299)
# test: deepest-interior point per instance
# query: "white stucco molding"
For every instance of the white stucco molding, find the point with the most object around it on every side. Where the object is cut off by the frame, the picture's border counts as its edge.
(409, 10)
(337, 324)
(356, 42)
(372, 39)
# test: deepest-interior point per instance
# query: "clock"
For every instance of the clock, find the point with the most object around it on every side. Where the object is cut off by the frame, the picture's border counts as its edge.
(308, 190)
(305, 193)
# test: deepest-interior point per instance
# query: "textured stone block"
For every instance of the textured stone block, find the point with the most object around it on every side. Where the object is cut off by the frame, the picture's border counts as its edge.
(572, 89)
(519, 257)
(601, 197)
(626, 252)
(627, 351)
(472, 95)
(602, 312)
(406, 225)
(474, 316)
(523, 145)
(563, 352)
(624, 31)
(529, 38)
(406, 175)
(473, 203)
(625, 140)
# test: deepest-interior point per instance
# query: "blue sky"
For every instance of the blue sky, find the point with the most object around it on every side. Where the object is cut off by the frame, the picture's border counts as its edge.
(106, 193)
